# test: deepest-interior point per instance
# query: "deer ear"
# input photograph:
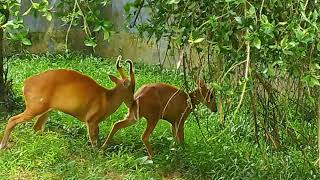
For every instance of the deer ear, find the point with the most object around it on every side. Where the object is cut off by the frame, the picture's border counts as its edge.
(114, 79)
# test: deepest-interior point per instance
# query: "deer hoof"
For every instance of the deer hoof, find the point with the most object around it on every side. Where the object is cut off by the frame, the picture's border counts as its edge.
(2, 146)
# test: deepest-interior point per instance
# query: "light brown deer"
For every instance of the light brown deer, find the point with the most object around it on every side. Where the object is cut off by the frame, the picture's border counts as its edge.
(163, 101)
(72, 93)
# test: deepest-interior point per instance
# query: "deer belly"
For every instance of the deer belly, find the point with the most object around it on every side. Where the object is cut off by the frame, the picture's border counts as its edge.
(76, 104)
(175, 113)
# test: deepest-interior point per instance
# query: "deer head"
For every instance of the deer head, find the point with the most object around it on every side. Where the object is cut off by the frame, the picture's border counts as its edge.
(124, 86)
(205, 95)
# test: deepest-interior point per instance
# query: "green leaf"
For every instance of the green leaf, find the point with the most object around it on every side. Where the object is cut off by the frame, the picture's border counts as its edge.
(97, 28)
(311, 80)
(217, 86)
(198, 40)
(105, 2)
(26, 41)
(90, 42)
(106, 35)
(238, 19)
(315, 82)
(127, 7)
(173, 1)
(2, 18)
(271, 72)
(283, 42)
(48, 16)
(314, 66)
(27, 12)
(318, 46)
(283, 23)
(36, 5)
(252, 11)
(257, 42)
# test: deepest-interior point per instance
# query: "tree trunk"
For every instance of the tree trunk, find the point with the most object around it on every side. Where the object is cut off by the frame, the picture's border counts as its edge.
(3, 94)
(2, 85)
(318, 125)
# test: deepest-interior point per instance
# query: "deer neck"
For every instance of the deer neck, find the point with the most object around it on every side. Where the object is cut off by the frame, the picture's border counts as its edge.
(194, 97)
(113, 100)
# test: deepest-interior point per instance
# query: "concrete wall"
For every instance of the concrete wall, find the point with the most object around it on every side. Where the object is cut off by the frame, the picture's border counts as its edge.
(50, 36)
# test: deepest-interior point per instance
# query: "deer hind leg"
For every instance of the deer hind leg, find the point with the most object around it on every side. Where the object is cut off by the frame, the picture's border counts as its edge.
(41, 120)
(13, 121)
(127, 121)
(151, 124)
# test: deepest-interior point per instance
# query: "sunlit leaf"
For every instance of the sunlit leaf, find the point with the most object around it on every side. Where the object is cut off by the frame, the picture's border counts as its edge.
(26, 41)
(49, 16)
(173, 1)
(257, 42)
(238, 19)
(90, 42)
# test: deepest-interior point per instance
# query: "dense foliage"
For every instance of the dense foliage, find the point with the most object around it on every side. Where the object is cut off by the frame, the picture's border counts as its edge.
(83, 14)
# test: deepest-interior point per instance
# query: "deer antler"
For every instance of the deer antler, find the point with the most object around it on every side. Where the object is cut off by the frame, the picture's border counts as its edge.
(119, 68)
(132, 77)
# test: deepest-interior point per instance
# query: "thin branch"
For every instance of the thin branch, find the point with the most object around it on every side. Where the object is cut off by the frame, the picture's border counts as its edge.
(230, 69)
(85, 24)
(133, 24)
(305, 5)
(72, 19)
(246, 79)
(260, 12)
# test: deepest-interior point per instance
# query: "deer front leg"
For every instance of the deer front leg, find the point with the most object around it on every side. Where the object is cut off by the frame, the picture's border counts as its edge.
(174, 131)
(180, 134)
(93, 131)
(180, 129)
(127, 121)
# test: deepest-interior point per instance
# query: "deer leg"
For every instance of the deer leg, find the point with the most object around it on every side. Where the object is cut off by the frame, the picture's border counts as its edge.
(145, 136)
(180, 132)
(13, 121)
(42, 119)
(180, 135)
(127, 121)
(93, 131)
(174, 131)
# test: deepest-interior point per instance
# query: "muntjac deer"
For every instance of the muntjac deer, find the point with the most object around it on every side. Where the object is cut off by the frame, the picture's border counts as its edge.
(72, 93)
(163, 101)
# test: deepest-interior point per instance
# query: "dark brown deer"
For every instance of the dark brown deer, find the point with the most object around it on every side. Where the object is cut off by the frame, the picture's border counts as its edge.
(72, 93)
(163, 101)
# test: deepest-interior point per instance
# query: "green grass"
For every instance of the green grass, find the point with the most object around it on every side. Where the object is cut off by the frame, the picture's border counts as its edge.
(62, 151)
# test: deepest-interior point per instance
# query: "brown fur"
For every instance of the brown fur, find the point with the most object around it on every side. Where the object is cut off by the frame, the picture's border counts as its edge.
(163, 101)
(73, 93)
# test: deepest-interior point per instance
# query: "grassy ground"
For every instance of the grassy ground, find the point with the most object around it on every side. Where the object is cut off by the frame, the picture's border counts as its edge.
(62, 151)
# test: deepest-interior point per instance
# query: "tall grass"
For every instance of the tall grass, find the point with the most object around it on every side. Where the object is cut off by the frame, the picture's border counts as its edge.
(62, 151)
